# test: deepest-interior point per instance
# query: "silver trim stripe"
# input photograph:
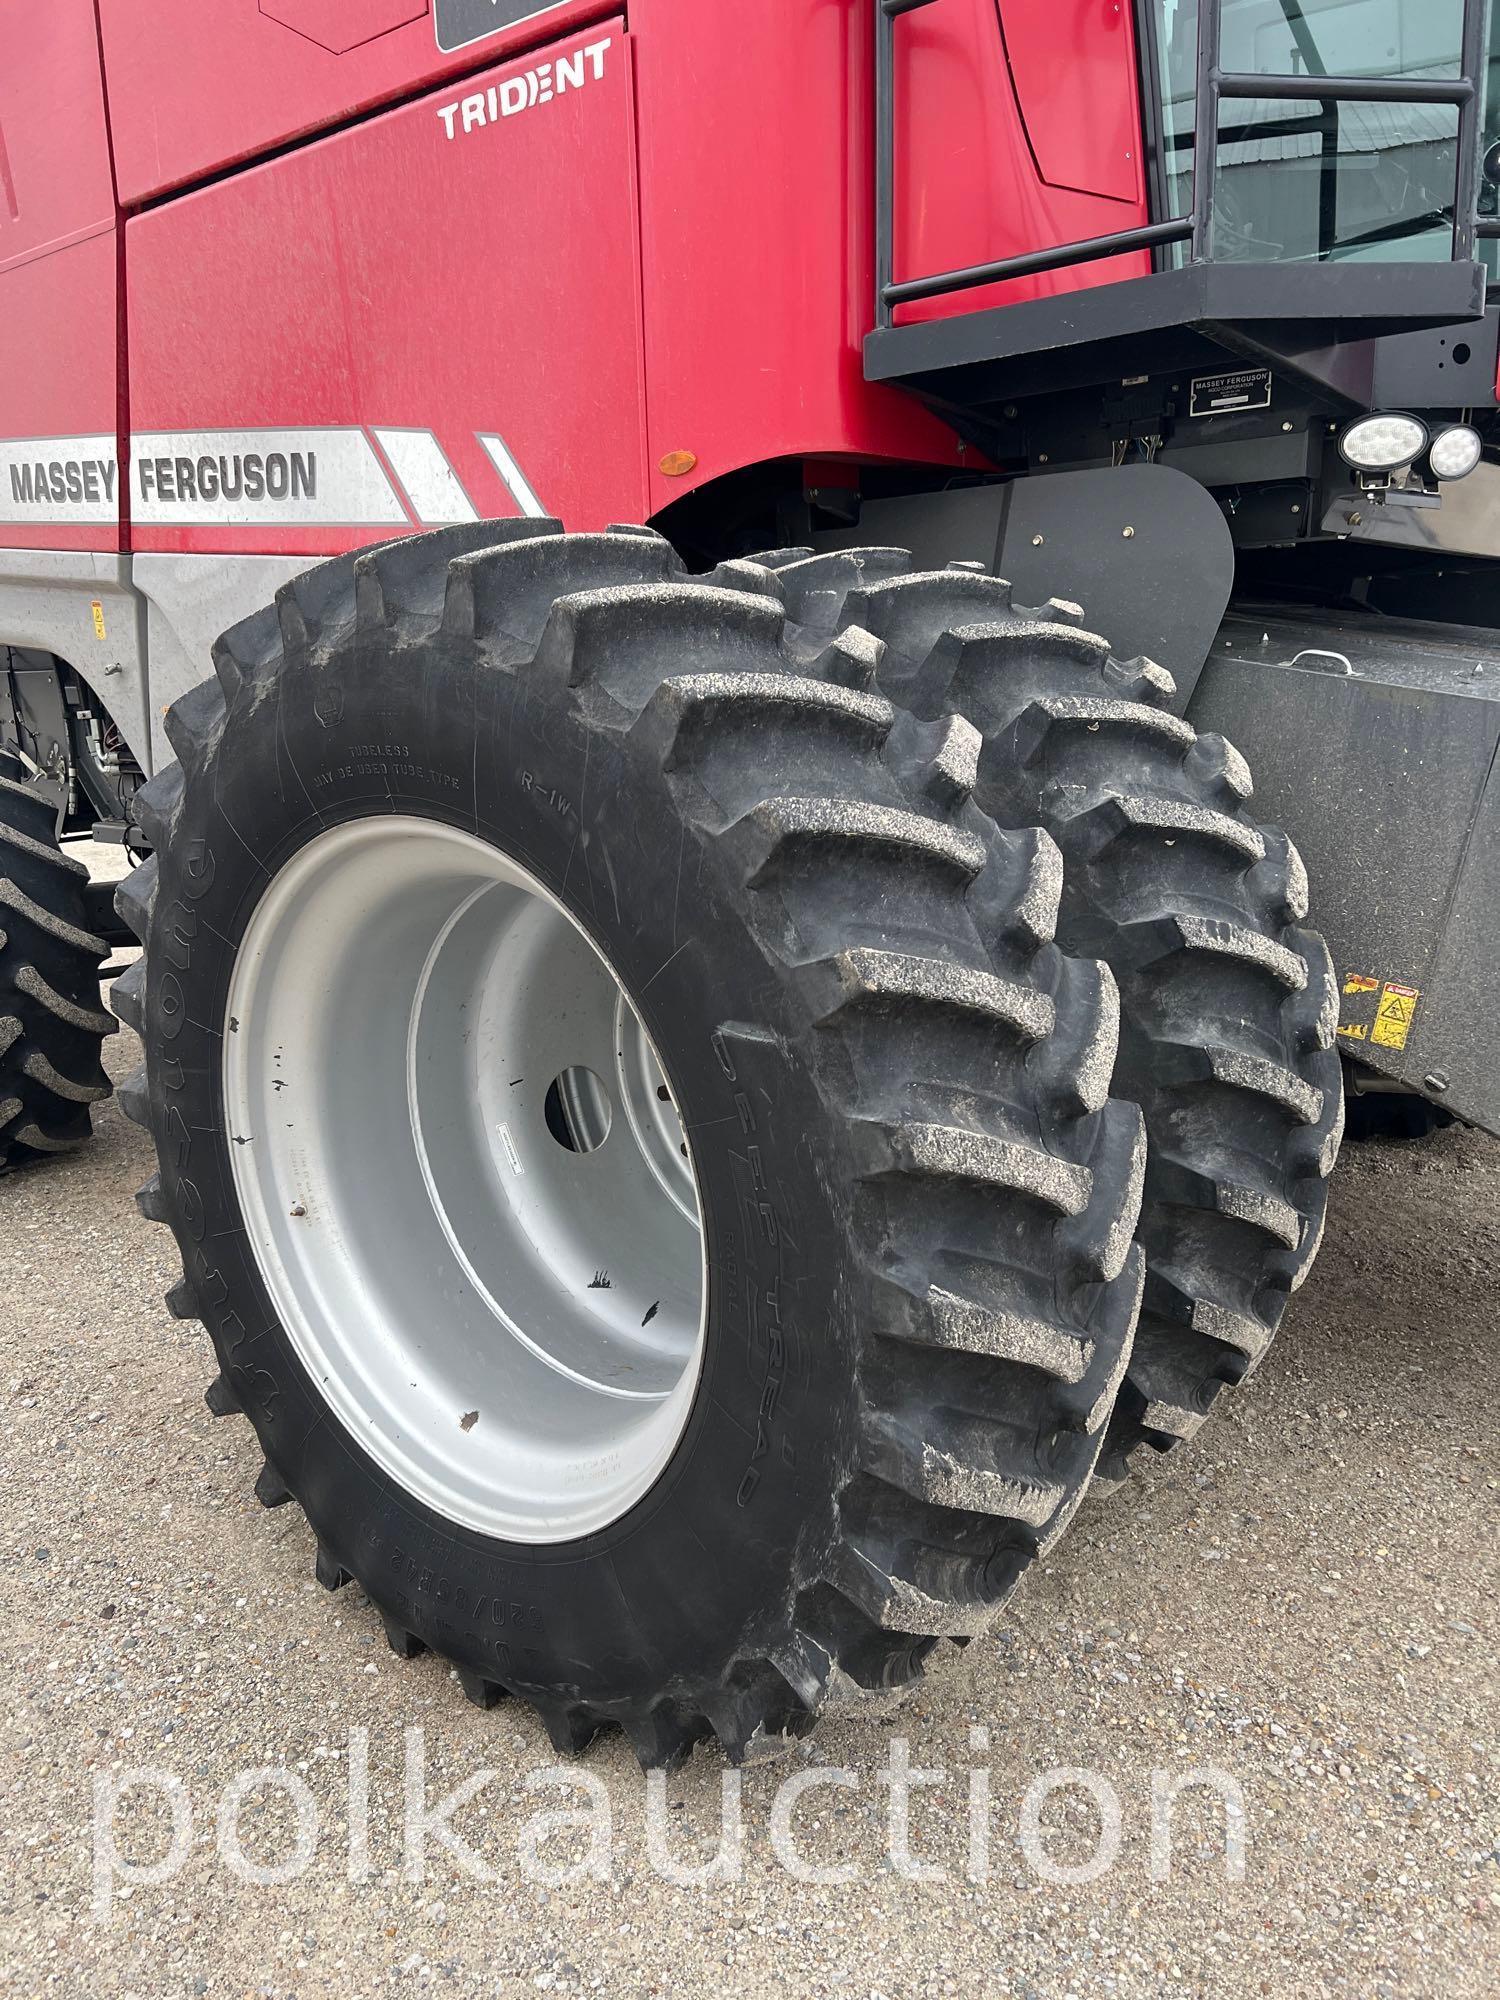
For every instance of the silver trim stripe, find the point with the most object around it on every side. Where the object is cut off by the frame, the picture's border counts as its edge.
(514, 480)
(328, 476)
(434, 489)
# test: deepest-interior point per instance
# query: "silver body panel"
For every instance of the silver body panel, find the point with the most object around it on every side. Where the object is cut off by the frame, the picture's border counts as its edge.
(160, 613)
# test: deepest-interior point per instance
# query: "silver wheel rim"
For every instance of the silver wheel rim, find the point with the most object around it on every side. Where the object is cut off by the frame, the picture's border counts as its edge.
(464, 1179)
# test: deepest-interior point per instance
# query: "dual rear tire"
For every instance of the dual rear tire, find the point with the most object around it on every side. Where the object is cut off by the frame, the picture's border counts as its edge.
(1229, 1006)
(52, 1024)
(644, 1162)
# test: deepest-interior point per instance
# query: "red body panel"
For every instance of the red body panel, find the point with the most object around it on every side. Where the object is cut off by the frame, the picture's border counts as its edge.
(59, 370)
(198, 85)
(757, 176)
(339, 233)
(1017, 127)
(392, 276)
(1089, 44)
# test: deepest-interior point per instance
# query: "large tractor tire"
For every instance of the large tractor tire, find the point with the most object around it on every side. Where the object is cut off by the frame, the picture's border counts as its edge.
(1229, 1007)
(52, 1025)
(646, 1170)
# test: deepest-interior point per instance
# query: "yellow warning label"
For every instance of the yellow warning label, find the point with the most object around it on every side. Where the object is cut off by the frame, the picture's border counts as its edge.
(1394, 1015)
(1355, 1031)
(98, 610)
(1358, 983)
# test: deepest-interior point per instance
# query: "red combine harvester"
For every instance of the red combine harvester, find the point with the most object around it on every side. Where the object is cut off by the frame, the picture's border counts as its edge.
(710, 1077)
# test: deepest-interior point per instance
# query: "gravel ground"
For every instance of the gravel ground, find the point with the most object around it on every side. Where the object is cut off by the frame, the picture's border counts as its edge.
(1303, 1600)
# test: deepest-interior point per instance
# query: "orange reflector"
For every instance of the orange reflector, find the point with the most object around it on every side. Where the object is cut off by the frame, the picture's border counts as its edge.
(676, 463)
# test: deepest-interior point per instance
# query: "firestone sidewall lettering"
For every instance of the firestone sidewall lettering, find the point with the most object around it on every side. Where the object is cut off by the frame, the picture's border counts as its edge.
(524, 92)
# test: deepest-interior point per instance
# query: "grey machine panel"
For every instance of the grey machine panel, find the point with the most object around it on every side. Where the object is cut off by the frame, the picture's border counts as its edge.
(160, 616)
(1143, 548)
(189, 601)
(1373, 743)
(47, 600)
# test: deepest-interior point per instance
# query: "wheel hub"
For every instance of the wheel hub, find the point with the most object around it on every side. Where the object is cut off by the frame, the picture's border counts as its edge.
(464, 1178)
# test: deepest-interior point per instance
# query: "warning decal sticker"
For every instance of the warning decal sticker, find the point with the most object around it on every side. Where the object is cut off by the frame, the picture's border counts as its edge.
(1394, 1015)
(1382, 1014)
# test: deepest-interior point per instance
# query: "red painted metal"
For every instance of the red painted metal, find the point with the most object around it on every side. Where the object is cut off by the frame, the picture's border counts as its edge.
(674, 263)
(341, 25)
(757, 231)
(392, 276)
(391, 287)
(58, 318)
(976, 181)
(1086, 136)
(196, 88)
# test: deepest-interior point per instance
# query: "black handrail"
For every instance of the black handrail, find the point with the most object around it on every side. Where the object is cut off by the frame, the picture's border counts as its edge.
(1215, 85)
(1089, 252)
(1346, 89)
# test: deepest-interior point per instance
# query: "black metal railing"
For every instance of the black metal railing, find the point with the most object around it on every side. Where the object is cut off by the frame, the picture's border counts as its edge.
(1215, 87)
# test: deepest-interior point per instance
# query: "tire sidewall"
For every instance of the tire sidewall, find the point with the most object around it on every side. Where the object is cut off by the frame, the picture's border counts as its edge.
(708, 1564)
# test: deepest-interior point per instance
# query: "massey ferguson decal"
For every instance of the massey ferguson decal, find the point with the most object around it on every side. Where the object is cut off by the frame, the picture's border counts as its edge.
(459, 22)
(232, 476)
(523, 92)
(315, 478)
(68, 482)
(319, 477)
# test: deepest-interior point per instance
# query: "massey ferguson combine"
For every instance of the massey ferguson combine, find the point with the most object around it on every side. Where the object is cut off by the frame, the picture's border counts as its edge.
(709, 1077)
